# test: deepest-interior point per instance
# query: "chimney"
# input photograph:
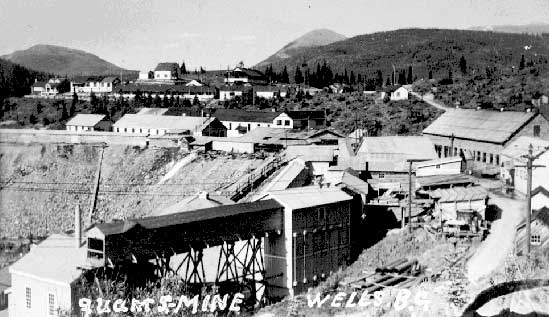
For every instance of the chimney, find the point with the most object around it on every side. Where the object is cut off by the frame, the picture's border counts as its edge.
(202, 113)
(77, 227)
(203, 195)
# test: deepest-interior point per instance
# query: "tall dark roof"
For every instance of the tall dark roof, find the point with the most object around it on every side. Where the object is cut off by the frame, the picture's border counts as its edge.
(167, 67)
(245, 116)
(248, 72)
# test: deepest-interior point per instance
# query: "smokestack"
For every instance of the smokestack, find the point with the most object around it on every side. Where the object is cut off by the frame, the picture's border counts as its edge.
(77, 227)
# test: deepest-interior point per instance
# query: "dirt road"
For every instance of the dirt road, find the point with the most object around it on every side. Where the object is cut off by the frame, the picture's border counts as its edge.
(500, 242)
(430, 99)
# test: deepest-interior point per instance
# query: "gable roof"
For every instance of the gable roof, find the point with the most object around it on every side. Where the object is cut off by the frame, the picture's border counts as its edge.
(541, 191)
(286, 176)
(393, 149)
(149, 121)
(55, 259)
(41, 83)
(86, 120)
(310, 196)
(520, 146)
(252, 73)
(439, 161)
(245, 116)
(166, 67)
(479, 125)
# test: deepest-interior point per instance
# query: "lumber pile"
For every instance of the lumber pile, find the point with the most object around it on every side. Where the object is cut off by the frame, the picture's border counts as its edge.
(403, 272)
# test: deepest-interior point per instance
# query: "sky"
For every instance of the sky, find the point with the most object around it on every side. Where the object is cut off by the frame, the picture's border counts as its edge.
(216, 34)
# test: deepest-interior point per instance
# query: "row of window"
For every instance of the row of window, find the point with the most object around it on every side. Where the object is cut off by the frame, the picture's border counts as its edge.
(51, 301)
(133, 130)
(286, 123)
(478, 156)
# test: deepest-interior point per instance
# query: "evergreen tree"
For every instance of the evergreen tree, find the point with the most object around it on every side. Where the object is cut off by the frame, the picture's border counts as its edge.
(410, 78)
(307, 76)
(157, 101)
(39, 107)
(32, 119)
(522, 62)
(285, 78)
(463, 65)
(388, 82)
(298, 76)
(379, 80)
(64, 113)
(352, 79)
(359, 78)
(183, 68)
(402, 77)
(430, 74)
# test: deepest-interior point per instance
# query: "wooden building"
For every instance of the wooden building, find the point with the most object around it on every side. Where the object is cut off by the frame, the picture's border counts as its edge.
(88, 122)
(161, 125)
(483, 134)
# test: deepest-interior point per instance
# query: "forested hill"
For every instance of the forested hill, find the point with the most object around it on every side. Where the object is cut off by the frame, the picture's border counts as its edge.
(16, 80)
(424, 50)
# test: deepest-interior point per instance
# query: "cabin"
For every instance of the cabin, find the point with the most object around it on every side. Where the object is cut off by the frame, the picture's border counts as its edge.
(167, 71)
(267, 92)
(51, 87)
(88, 122)
(239, 122)
(308, 119)
(96, 85)
(462, 205)
(242, 75)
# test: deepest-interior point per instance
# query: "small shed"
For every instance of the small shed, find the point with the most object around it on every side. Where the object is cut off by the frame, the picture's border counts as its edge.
(88, 122)
(460, 203)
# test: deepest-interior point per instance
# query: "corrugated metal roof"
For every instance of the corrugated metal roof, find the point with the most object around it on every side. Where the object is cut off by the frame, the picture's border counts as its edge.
(479, 125)
(285, 177)
(435, 180)
(520, 146)
(312, 153)
(200, 200)
(354, 183)
(459, 194)
(147, 121)
(86, 120)
(310, 196)
(56, 259)
(191, 216)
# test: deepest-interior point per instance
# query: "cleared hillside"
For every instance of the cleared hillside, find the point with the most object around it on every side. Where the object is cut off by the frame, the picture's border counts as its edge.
(42, 184)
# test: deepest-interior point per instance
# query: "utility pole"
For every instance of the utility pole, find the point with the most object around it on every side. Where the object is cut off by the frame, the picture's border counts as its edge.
(410, 161)
(452, 145)
(529, 166)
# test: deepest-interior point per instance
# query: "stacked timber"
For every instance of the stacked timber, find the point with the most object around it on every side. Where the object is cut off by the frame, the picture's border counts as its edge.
(402, 273)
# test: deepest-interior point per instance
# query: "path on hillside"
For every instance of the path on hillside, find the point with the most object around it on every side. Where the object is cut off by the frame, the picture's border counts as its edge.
(430, 99)
(500, 242)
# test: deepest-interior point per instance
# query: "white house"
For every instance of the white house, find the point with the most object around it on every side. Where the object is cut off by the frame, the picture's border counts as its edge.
(43, 281)
(146, 75)
(88, 122)
(400, 93)
(160, 125)
(47, 88)
(442, 166)
(194, 83)
(97, 85)
(240, 122)
(267, 92)
(231, 92)
(166, 71)
(540, 198)
(514, 172)
(241, 75)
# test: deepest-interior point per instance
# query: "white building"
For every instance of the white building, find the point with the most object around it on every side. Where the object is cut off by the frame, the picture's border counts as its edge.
(240, 122)
(231, 92)
(43, 281)
(400, 93)
(267, 92)
(166, 71)
(160, 125)
(241, 75)
(514, 172)
(194, 83)
(47, 88)
(88, 122)
(99, 85)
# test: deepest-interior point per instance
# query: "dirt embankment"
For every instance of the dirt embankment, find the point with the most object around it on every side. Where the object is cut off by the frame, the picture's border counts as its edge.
(40, 185)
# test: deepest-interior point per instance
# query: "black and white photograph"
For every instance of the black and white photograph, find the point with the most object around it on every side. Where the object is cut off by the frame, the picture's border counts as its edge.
(287, 158)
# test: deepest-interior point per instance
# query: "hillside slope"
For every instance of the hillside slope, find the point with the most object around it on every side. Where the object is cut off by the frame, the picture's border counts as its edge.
(533, 28)
(422, 49)
(311, 39)
(42, 184)
(15, 80)
(63, 61)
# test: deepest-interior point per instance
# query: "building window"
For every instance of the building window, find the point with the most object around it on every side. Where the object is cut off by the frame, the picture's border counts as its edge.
(438, 166)
(483, 157)
(278, 122)
(287, 123)
(491, 158)
(497, 159)
(28, 297)
(381, 175)
(537, 130)
(535, 239)
(478, 156)
(95, 248)
(51, 304)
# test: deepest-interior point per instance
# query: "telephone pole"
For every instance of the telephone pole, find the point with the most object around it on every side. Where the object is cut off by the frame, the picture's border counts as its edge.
(410, 161)
(529, 166)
